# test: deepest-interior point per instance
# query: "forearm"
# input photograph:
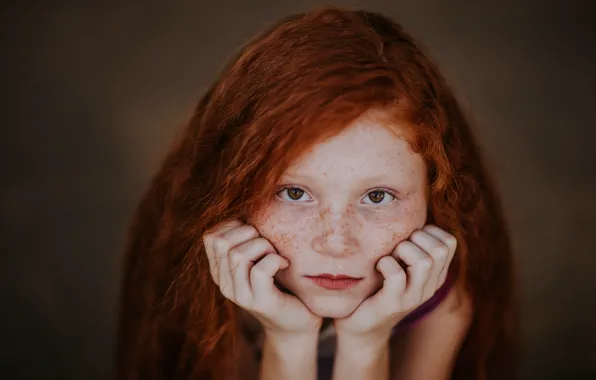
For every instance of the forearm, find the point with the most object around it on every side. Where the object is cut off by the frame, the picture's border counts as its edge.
(358, 358)
(289, 357)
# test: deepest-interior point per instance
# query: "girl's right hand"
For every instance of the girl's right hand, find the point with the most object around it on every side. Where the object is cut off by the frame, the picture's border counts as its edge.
(243, 264)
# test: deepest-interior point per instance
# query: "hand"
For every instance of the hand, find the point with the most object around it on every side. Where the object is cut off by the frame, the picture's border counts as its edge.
(427, 255)
(243, 264)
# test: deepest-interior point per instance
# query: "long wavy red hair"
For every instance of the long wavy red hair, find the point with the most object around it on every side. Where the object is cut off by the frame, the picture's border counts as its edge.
(293, 86)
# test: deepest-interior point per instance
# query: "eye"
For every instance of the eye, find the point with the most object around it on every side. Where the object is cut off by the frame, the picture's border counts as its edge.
(294, 194)
(378, 197)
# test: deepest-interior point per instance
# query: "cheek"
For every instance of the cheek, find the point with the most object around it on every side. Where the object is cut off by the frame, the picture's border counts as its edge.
(385, 231)
(286, 230)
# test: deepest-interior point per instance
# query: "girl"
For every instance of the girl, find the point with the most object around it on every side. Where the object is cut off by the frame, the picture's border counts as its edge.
(324, 213)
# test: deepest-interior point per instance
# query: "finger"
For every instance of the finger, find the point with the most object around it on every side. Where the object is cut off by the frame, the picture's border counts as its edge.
(388, 300)
(208, 241)
(394, 279)
(241, 260)
(212, 233)
(449, 240)
(229, 235)
(223, 245)
(233, 237)
(261, 278)
(226, 285)
(419, 265)
(438, 251)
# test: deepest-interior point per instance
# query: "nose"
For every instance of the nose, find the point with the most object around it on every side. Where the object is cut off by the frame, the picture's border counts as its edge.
(335, 234)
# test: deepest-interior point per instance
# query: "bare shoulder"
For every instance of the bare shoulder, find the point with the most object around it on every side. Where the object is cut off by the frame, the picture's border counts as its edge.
(435, 339)
(455, 312)
(458, 303)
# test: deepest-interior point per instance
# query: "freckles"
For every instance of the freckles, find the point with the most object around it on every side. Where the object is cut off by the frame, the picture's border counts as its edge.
(351, 212)
(284, 238)
(398, 236)
(273, 226)
(289, 233)
(286, 243)
(324, 212)
(352, 215)
(354, 221)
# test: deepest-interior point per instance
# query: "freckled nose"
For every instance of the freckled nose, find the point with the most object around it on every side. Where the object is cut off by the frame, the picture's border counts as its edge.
(335, 236)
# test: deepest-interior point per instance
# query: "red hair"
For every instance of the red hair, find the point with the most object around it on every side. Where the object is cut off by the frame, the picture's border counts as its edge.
(302, 81)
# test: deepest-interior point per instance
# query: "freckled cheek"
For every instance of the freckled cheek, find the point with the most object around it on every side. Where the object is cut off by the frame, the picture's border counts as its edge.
(289, 232)
(382, 242)
(384, 230)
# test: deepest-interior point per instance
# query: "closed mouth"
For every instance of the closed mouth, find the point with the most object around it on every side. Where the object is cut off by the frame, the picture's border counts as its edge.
(335, 276)
(335, 282)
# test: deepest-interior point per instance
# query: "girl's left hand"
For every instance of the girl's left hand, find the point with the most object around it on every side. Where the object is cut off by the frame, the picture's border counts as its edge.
(427, 255)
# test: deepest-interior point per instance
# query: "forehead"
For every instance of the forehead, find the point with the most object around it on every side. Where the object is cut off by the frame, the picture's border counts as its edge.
(367, 145)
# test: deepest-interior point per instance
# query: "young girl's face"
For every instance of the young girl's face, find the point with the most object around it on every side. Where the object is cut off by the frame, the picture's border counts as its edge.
(340, 208)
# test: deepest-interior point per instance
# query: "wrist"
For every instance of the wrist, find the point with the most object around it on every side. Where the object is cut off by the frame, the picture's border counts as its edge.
(292, 343)
(359, 357)
(363, 349)
(289, 356)
(309, 330)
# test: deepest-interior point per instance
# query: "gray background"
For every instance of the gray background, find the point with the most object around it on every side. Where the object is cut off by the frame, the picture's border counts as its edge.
(94, 92)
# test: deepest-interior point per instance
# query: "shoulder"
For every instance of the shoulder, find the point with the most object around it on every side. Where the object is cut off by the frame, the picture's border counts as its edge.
(449, 321)
(456, 310)
(436, 338)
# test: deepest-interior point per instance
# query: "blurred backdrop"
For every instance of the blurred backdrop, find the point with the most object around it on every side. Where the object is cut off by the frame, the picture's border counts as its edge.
(94, 91)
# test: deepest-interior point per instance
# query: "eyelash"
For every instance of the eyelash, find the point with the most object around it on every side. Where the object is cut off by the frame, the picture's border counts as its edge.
(287, 187)
(385, 190)
(388, 191)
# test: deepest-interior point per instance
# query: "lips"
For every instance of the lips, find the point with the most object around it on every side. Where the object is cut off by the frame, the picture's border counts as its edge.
(335, 282)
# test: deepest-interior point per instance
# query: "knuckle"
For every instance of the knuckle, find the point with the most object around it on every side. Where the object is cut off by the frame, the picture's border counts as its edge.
(264, 244)
(451, 241)
(441, 252)
(221, 245)
(386, 259)
(236, 256)
(230, 223)
(257, 271)
(425, 263)
(415, 234)
(251, 229)
(430, 227)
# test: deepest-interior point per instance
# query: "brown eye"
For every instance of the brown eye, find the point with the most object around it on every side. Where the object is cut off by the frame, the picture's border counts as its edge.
(295, 193)
(376, 196)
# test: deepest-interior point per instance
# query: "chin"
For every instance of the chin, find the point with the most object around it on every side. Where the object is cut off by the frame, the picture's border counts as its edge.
(331, 307)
